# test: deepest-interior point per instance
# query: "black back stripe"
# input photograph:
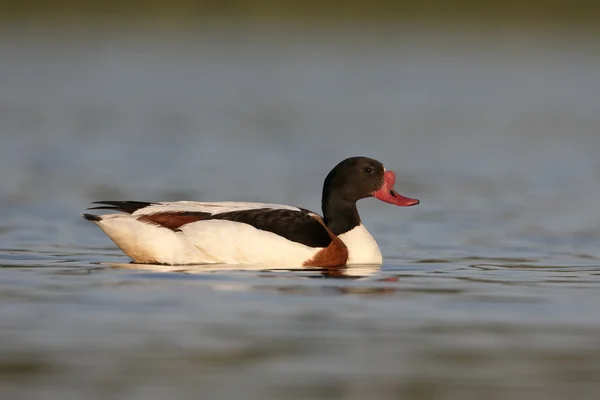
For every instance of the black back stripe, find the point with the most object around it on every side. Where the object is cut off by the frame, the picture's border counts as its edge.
(297, 226)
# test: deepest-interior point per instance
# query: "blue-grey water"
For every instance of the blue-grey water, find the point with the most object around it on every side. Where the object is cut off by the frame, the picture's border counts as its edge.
(490, 288)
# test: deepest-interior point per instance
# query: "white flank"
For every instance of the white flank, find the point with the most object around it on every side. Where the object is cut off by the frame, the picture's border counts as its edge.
(203, 242)
(362, 248)
(216, 207)
(231, 242)
(146, 243)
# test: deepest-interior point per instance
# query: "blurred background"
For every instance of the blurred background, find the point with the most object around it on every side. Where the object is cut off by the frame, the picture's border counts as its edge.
(488, 111)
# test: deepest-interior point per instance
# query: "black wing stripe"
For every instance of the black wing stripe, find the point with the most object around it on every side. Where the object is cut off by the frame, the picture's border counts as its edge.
(296, 226)
(124, 206)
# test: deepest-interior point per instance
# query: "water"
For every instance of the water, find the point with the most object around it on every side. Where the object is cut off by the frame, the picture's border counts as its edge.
(490, 287)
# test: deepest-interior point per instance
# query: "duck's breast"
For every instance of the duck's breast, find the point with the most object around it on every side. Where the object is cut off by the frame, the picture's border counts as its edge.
(362, 247)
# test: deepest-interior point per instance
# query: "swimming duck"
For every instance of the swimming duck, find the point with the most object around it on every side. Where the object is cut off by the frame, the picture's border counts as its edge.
(190, 232)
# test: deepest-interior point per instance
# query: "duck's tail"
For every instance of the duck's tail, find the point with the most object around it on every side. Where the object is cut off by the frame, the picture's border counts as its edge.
(92, 217)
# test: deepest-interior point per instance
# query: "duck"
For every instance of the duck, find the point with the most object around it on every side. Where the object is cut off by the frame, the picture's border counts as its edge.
(226, 232)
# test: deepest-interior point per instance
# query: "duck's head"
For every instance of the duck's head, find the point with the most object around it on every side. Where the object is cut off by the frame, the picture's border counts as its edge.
(356, 178)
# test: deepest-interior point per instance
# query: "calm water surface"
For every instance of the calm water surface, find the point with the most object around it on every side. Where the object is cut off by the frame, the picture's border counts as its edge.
(490, 287)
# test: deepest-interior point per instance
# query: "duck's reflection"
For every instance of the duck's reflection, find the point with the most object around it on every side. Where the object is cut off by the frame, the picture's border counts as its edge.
(359, 279)
(345, 272)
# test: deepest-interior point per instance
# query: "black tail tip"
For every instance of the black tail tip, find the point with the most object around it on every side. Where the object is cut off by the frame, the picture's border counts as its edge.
(91, 217)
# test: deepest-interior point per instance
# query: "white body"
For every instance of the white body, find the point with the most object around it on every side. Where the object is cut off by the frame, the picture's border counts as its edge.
(220, 241)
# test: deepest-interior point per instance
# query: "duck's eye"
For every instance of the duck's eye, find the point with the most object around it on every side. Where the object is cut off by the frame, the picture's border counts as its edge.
(368, 169)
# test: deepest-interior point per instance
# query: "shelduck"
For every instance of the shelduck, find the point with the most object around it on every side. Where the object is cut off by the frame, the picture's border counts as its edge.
(189, 232)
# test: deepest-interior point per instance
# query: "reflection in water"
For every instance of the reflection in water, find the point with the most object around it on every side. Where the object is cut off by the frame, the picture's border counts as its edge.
(354, 271)
(450, 326)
